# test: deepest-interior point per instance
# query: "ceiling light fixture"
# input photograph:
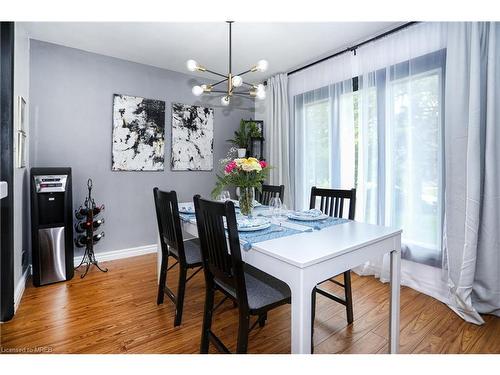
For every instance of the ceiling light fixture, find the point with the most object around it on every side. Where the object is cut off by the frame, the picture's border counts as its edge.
(232, 80)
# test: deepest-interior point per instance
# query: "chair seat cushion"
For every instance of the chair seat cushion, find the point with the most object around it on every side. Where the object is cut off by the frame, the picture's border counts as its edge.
(263, 290)
(191, 250)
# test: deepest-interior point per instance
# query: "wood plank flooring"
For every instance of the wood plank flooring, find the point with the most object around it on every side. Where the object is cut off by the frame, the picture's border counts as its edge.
(116, 312)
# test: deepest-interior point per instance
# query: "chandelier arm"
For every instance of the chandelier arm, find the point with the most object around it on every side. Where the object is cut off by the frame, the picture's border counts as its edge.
(245, 72)
(242, 93)
(219, 92)
(252, 85)
(217, 74)
(218, 83)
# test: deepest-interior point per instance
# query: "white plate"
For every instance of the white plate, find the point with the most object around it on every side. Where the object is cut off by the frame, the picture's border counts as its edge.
(260, 223)
(307, 218)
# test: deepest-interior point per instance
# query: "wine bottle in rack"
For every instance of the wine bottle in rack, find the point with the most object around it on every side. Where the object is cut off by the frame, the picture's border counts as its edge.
(81, 213)
(97, 237)
(82, 226)
(97, 210)
(81, 241)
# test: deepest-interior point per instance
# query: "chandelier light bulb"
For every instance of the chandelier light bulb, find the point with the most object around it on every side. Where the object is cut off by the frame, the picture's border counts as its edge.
(225, 100)
(262, 65)
(197, 90)
(237, 81)
(261, 94)
(191, 65)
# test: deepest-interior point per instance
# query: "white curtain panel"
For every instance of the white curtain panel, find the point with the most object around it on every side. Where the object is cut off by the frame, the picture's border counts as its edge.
(472, 160)
(277, 133)
(420, 137)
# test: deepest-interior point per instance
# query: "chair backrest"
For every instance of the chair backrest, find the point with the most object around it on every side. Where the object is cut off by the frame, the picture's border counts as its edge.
(332, 201)
(169, 223)
(221, 264)
(270, 191)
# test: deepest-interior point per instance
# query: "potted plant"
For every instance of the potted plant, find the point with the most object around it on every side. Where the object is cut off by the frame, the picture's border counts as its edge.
(247, 174)
(242, 136)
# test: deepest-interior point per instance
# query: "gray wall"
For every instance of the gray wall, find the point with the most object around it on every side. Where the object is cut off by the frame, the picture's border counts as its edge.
(22, 231)
(71, 94)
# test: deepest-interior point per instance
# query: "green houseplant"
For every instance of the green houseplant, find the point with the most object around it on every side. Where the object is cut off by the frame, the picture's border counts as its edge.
(243, 136)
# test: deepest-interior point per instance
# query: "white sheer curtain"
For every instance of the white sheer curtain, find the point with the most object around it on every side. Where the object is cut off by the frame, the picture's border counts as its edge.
(322, 144)
(388, 136)
(401, 87)
(277, 133)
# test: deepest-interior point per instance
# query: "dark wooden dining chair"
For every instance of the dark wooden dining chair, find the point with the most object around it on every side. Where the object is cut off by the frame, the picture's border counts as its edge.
(331, 202)
(255, 292)
(268, 192)
(186, 254)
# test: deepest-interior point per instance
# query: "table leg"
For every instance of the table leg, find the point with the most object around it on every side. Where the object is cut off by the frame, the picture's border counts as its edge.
(394, 313)
(301, 318)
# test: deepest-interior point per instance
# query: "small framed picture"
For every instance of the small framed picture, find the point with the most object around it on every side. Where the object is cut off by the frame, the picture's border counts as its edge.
(21, 132)
(21, 149)
(21, 114)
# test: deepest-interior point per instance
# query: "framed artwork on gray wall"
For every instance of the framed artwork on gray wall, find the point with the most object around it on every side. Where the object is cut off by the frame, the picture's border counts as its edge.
(138, 134)
(21, 132)
(192, 138)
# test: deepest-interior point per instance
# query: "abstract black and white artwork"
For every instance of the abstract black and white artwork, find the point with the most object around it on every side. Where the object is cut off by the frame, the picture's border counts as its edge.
(192, 138)
(138, 134)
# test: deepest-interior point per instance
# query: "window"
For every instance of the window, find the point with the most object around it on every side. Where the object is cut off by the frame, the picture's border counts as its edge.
(381, 134)
(317, 143)
(413, 152)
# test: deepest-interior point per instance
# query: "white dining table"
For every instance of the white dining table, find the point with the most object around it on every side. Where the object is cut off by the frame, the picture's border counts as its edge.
(305, 259)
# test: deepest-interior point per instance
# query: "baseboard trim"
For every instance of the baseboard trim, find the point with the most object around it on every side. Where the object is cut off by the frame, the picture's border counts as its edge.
(120, 254)
(20, 287)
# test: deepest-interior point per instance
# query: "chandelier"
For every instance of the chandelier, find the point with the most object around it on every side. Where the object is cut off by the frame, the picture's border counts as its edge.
(232, 81)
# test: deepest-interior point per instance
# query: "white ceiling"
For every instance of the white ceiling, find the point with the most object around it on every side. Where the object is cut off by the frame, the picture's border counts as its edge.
(168, 45)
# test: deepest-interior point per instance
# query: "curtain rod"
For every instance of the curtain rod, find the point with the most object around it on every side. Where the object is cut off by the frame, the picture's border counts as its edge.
(353, 48)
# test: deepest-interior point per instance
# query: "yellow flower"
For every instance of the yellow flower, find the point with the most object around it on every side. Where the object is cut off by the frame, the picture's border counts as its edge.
(250, 164)
(239, 162)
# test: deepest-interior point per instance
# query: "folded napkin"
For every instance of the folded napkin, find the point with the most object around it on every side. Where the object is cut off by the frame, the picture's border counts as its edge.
(186, 209)
(237, 203)
(308, 213)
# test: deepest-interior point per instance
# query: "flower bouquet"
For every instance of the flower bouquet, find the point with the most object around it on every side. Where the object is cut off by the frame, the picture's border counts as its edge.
(247, 174)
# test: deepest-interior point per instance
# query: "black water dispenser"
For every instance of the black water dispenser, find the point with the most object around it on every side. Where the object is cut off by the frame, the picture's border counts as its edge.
(51, 225)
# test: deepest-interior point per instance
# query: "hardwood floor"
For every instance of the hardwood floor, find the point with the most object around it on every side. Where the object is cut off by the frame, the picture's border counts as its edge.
(116, 312)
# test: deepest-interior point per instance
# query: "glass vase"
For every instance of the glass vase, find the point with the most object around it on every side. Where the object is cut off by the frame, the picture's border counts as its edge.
(246, 201)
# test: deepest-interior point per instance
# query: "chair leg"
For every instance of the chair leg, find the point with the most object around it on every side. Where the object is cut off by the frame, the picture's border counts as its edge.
(163, 279)
(181, 290)
(243, 326)
(348, 296)
(262, 320)
(313, 314)
(207, 318)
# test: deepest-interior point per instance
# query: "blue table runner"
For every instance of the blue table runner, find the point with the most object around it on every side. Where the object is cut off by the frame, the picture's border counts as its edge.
(276, 231)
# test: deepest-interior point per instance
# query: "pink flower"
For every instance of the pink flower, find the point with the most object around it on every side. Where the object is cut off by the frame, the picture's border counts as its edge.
(263, 164)
(230, 166)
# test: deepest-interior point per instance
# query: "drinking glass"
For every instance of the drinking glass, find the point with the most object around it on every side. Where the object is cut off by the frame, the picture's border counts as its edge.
(225, 195)
(282, 213)
(276, 208)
